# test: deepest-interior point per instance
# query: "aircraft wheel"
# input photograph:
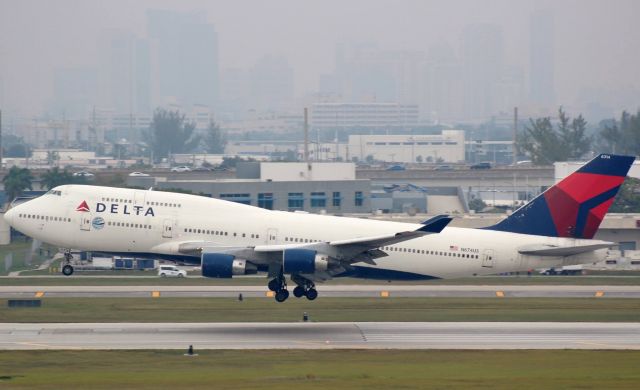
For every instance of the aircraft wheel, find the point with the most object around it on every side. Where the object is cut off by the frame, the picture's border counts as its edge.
(274, 285)
(282, 295)
(298, 292)
(67, 270)
(312, 294)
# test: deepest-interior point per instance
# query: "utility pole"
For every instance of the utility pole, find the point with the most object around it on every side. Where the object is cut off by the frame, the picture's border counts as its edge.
(306, 135)
(515, 135)
(1, 154)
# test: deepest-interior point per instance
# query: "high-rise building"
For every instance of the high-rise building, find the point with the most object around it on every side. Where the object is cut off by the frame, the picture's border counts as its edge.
(541, 58)
(271, 84)
(184, 53)
(123, 72)
(74, 92)
(442, 85)
(483, 63)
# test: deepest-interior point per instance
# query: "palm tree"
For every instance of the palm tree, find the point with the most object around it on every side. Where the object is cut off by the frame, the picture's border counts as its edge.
(16, 181)
(55, 177)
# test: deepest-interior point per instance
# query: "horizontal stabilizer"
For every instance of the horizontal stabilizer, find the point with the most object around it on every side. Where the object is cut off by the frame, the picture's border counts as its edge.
(554, 250)
(435, 224)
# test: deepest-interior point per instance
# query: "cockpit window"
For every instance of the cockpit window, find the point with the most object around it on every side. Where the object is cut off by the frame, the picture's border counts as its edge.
(54, 192)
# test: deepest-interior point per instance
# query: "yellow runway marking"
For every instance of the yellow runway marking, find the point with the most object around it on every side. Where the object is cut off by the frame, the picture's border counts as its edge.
(34, 344)
(599, 294)
(598, 344)
(40, 294)
(270, 294)
(384, 294)
(155, 294)
(500, 294)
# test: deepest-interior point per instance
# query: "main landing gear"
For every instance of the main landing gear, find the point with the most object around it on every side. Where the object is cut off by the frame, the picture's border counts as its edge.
(67, 268)
(279, 286)
(304, 287)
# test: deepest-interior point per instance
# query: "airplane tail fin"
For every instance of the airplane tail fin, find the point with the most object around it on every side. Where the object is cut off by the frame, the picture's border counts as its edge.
(575, 206)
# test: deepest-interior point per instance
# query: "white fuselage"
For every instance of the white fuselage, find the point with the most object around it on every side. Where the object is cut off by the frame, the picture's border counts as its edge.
(154, 222)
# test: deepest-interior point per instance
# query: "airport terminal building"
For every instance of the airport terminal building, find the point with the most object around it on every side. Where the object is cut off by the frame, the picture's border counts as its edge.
(310, 187)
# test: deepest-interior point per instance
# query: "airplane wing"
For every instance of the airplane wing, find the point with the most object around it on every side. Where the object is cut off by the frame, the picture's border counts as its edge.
(555, 250)
(343, 252)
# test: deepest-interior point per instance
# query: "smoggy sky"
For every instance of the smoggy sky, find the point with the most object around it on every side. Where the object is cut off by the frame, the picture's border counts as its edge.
(596, 41)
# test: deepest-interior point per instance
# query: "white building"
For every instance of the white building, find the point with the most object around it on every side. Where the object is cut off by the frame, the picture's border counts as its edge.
(362, 115)
(445, 147)
(565, 168)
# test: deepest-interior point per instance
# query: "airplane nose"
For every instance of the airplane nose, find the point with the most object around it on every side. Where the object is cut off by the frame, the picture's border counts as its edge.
(9, 215)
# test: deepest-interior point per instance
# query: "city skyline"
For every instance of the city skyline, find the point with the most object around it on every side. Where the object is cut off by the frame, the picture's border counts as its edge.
(494, 52)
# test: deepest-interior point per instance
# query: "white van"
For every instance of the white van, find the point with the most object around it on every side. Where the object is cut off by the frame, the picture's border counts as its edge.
(171, 271)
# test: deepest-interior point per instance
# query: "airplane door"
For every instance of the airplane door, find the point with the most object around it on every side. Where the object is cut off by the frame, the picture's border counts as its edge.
(85, 221)
(167, 228)
(272, 236)
(138, 198)
(487, 258)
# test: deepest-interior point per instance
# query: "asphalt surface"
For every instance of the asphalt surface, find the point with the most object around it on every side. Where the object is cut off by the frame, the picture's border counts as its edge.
(531, 291)
(373, 335)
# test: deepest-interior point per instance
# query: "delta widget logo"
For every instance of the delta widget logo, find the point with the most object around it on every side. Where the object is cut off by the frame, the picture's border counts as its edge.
(84, 207)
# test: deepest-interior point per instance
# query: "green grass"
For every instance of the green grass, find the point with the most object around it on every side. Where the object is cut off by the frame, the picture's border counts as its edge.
(325, 309)
(98, 279)
(19, 250)
(342, 369)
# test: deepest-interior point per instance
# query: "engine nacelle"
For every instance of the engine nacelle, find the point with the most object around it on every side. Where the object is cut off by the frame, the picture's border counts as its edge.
(303, 261)
(220, 265)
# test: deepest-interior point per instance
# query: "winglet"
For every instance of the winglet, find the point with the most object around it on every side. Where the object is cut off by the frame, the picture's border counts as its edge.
(435, 224)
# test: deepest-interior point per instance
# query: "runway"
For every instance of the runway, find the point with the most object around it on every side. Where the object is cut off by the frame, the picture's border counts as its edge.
(481, 291)
(360, 335)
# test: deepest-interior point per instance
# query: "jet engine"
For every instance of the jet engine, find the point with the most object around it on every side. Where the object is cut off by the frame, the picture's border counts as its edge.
(303, 261)
(220, 265)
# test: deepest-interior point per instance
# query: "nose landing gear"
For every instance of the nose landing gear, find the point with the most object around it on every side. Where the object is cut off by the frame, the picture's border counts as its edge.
(67, 268)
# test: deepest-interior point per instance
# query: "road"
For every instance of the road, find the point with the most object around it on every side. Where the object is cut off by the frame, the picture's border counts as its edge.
(373, 335)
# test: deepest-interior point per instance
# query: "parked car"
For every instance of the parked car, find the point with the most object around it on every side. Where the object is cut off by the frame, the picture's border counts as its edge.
(137, 174)
(481, 165)
(201, 169)
(83, 174)
(182, 168)
(396, 168)
(171, 271)
(444, 168)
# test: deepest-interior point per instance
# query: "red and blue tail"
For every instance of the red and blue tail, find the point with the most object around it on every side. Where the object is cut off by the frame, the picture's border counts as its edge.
(575, 206)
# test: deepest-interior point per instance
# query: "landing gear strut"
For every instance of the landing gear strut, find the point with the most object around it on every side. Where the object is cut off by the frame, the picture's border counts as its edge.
(67, 268)
(304, 287)
(279, 286)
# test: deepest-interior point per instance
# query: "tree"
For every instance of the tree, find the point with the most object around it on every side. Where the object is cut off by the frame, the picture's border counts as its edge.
(14, 146)
(477, 204)
(622, 136)
(628, 198)
(170, 132)
(546, 145)
(16, 181)
(215, 140)
(55, 177)
(52, 157)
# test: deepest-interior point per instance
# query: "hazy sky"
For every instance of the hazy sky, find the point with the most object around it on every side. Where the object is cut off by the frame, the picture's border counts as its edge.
(597, 42)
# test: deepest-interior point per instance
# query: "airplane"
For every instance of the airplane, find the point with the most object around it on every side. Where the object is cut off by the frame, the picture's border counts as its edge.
(227, 239)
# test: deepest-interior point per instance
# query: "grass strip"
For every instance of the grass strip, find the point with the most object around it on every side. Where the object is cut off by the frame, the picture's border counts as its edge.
(310, 369)
(325, 310)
